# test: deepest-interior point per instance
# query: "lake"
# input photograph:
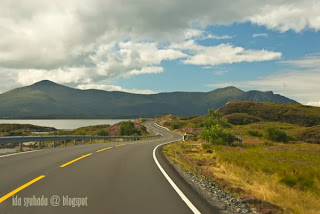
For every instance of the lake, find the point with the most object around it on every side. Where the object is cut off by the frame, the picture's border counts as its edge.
(66, 124)
(5, 151)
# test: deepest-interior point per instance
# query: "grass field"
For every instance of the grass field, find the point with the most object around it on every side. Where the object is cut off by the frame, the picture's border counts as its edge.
(284, 175)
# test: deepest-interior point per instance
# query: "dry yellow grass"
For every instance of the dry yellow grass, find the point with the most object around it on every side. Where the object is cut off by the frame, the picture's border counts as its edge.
(257, 172)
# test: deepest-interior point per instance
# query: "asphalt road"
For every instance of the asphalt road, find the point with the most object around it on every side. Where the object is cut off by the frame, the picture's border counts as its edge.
(118, 177)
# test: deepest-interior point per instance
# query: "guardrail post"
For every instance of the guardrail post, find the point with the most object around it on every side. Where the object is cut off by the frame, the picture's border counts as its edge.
(104, 140)
(39, 144)
(21, 147)
(65, 143)
(54, 144)
(90, 140)
(83, 141)
(74, 142)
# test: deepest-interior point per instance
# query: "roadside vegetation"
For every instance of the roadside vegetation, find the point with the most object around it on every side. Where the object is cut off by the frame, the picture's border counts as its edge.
(276, 168)
(125, 128)
(22, 129)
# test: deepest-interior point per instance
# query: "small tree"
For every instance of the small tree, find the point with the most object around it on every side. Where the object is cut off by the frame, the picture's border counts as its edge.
(276, 134)
(127, 128)
(214, 129)
(174, 126)
(102, 133)
(216, 134)
(214, 118)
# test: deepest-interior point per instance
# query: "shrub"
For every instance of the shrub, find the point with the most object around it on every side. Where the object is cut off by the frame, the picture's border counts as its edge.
(127, 128)
(214, 118)
(216, 134)
(241, 119)
(276, 134)
(206, 146)
(254, 133)
(102, 133)
(174, 126)
(300, 182)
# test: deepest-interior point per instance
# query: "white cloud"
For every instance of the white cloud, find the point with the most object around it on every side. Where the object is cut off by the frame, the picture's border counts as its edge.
(212, 36)
(221, 72)
(192, 33)
(310, 61)
(115, 88)
(222, 54)
(300, 83)
(294, 15)
(132, 58)
(60, 75)
(202, 35)
(39, 34)
(259, 35)
(58, 39)
(146, 70)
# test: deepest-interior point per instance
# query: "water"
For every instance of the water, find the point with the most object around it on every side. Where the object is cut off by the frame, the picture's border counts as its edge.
(66, 124)
(5, 151)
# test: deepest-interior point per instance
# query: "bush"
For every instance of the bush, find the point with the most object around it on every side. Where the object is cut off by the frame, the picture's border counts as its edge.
(276, 134)
(216, 134)
(298, 181)
(241, 119)
(254, 133)
(174, 126)
(127, 129)
(102, 133)
(206, 146)
(214, 118)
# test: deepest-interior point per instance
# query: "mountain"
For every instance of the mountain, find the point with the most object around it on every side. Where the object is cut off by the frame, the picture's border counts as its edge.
(47, 99)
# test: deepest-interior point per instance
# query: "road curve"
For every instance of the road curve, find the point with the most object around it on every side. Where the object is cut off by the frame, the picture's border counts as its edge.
(118, 177)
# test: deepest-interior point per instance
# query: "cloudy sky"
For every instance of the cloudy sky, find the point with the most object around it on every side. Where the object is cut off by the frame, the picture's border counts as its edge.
(151, 46)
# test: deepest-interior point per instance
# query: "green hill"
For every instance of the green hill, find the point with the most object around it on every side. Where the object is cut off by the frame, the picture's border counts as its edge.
(46, 99)
(289, 113)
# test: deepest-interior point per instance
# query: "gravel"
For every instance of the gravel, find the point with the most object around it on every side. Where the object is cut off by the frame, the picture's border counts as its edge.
(225, 202)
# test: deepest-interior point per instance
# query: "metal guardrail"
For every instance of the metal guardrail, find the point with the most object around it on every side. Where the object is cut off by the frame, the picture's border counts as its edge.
(25, 139)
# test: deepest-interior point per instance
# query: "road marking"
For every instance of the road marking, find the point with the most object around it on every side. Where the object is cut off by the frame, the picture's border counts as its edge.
(70, 162)
(19, 153)
(5, 197)
(120, 145)
(175, 187)
(104, 149)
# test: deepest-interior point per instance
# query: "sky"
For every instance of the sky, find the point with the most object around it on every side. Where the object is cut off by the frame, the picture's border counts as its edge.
(152, 46)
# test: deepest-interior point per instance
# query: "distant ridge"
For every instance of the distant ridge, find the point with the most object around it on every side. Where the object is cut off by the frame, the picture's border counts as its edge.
(238, 111)
(46, 99)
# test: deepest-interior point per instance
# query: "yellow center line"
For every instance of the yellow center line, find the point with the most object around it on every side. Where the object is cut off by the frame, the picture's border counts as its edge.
(70, 162)
(104, 149)
(120, 145)
(3, 198)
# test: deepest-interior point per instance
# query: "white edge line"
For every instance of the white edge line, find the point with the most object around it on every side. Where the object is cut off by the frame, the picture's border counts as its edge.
(161, 126)
(175, 187)
(19, 153)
